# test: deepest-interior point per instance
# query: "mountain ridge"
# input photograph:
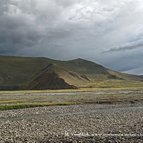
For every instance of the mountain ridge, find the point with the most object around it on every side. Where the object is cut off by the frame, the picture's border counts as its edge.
(44, 73)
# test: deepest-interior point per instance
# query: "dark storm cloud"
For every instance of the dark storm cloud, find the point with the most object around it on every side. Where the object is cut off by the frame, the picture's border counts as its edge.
(126, 47)
(16, 30)
(65, 29)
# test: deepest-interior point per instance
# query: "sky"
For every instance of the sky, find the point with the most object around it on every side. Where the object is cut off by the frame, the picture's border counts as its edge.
(109, 32)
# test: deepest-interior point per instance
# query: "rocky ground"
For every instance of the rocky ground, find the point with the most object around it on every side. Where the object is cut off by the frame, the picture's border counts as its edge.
(121, 123)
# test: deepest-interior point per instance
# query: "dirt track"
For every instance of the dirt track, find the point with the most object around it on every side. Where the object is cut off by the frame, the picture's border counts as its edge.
(76, 123)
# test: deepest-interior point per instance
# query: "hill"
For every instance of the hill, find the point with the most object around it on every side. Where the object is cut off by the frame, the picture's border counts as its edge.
(44, 73)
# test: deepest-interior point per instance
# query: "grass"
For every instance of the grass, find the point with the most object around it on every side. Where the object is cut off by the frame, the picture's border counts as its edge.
(28, 99)
(115, 84)
(29, 105)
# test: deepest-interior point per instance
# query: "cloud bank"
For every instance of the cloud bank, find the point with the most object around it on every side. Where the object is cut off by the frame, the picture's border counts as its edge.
(107, 32)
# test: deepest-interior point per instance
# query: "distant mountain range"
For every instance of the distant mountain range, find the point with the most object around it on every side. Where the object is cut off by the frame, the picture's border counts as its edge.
(43, 73)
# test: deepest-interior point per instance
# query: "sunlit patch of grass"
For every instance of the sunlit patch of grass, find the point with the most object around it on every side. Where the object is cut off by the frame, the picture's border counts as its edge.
(115, 84)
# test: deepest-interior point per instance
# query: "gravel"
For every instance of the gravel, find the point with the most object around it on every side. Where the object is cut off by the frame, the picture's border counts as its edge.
(71, 124)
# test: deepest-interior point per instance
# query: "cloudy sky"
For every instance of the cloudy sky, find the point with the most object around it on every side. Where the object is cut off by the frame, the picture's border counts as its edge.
(109, 32)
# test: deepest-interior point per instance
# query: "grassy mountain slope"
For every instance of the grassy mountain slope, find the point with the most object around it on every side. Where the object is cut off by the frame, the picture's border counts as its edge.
(44, 73)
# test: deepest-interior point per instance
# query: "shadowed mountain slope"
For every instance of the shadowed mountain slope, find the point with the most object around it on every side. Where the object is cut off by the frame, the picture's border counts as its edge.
(44, 73)
(48, 78)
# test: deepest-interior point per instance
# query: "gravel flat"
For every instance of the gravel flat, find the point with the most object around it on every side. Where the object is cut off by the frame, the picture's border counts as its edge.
(89, 123)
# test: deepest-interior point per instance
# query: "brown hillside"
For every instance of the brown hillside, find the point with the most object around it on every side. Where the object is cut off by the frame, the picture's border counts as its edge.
(47, 78)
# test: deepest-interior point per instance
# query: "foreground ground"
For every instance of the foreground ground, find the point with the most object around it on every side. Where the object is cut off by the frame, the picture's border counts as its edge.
(76, 123)
(90, 116)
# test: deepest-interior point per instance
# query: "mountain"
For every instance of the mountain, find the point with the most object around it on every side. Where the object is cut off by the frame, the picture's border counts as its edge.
(44, 73)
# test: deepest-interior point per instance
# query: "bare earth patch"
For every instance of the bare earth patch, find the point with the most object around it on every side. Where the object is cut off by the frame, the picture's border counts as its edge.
(76, 123)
